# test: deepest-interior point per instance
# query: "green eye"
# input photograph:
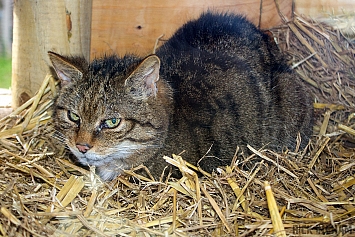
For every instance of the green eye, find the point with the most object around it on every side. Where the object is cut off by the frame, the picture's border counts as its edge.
(73, 117)
(112, 123)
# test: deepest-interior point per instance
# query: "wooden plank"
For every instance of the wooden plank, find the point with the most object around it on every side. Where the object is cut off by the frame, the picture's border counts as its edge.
(40, 26)
(324, 8)
(133, 26)
(122, 26)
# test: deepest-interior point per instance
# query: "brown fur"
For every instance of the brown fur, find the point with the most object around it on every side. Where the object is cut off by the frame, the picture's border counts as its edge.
(218, 83)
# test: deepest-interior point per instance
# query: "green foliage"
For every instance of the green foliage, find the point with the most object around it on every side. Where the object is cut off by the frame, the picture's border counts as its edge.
(5, 72)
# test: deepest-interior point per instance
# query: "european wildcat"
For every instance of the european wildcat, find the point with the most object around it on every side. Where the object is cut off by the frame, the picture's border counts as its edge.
(217, 83)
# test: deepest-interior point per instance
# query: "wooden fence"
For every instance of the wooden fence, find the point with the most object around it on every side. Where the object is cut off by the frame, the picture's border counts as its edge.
(93, 27)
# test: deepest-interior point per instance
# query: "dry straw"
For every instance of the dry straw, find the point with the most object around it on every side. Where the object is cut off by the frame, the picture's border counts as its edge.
(43, 193)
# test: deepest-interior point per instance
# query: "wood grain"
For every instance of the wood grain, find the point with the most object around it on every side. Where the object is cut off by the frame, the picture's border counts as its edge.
(72, 28)
(40, 26)
(324, 8)
(133, 26)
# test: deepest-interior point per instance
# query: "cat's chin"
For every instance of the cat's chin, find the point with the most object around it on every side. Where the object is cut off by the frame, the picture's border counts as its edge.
(107, 166)
(107, 174)
(104, 166)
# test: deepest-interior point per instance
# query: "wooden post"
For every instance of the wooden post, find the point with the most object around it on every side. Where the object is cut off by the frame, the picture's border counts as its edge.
(62, 26)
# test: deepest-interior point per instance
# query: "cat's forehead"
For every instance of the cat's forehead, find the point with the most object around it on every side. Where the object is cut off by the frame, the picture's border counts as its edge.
(101, 89)
(94, 104)
(113, 66)
(98, 96)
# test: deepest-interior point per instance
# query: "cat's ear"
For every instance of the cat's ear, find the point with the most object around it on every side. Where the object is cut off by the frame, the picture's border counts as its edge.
(66, 71)
(141, 84)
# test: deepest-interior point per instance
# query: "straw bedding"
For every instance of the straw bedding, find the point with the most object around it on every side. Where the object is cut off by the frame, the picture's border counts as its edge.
(293, 193)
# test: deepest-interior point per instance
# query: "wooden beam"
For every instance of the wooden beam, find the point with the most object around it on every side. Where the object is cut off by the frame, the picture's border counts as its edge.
(62, 26)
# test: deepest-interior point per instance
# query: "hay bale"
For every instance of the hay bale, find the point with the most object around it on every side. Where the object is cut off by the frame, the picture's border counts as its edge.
(295, 192)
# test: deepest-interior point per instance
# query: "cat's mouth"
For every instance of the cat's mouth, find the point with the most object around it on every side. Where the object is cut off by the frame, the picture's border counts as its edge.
(96, 156)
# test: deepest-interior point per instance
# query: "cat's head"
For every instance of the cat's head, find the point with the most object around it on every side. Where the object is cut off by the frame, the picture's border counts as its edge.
(112, 113)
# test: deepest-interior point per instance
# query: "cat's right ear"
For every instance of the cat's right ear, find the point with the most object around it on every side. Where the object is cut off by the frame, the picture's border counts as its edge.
(66, 71)
(141, 84)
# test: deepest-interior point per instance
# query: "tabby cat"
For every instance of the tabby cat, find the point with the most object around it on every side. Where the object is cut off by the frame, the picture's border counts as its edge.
(217, 83)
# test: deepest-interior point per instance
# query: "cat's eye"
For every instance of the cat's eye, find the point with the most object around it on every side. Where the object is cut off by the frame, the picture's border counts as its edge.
(111, 123)
(73, 117)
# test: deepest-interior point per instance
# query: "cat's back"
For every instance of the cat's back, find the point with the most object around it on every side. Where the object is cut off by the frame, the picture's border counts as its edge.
(232, 87)
(214, 29)
(219, 35)
(219, 41)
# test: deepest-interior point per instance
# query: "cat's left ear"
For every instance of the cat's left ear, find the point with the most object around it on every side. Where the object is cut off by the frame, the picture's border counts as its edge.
(141, 84)
(66, 71)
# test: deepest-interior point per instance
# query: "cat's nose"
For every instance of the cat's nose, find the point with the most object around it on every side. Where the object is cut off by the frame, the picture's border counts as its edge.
(83, 147)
